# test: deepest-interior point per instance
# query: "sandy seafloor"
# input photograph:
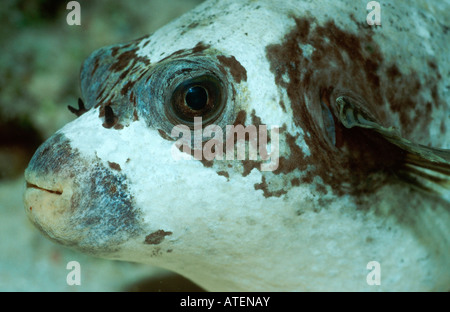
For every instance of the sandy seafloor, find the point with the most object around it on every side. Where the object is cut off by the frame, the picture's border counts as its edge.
(40, 61)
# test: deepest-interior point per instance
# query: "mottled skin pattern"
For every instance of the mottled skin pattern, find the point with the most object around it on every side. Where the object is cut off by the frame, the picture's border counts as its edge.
(107, 183)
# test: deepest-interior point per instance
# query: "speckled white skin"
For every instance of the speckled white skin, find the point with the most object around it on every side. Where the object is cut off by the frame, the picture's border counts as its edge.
(226, 235)
(228, 240)
(271, 22)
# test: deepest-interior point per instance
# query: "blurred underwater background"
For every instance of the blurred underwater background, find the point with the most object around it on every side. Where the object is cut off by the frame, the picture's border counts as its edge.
(40, 61)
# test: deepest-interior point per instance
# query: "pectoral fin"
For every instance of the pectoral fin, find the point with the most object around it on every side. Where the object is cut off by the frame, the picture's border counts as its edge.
(424, 167)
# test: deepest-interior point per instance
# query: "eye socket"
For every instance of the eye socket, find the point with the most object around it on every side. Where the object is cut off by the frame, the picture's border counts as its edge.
(200, 96)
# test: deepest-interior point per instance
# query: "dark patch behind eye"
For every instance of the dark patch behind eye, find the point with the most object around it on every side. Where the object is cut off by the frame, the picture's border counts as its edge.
(361, 69)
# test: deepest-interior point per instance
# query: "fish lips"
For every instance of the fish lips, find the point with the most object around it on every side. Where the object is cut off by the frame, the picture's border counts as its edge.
(78, 202)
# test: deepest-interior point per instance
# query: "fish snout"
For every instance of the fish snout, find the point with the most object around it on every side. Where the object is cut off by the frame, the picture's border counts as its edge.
(49, 187)
(79, 201)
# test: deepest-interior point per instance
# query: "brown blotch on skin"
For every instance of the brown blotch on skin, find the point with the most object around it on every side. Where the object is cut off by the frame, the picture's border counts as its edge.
(132, 98)
(114, 166)
(432, 64)
(156, 238)
(192, 25)
(127, 87)
(124, 66)
(110, 118)
(240, 118)
(256, 120)
(435, 68)
(345, 61)
(223, 173)
(265, 188)
(393, 72)
(174, 54)
(207, 163)
(249, 165)
(96, 63)
(123, 59)
(200, 47)
(238, 72)
(295, 160)
(100, 95)
(145, 44)
(283, 107)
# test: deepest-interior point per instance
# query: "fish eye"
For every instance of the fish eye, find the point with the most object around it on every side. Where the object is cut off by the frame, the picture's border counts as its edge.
(196, 97)
(200, 96)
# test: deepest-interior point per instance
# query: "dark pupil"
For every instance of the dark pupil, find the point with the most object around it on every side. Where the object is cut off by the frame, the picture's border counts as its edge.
(196, 98)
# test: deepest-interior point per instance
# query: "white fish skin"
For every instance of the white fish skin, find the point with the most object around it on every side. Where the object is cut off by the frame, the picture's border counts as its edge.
(107, 183)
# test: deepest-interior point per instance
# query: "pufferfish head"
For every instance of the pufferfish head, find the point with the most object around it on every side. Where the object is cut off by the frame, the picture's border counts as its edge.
(120, 182)
(216, 147)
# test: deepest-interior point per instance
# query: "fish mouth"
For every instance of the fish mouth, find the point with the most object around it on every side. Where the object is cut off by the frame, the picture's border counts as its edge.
(34, 186)
(47, 204)
(46, 196)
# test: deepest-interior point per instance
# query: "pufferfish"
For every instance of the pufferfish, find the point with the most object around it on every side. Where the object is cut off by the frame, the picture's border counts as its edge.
(361, 173)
